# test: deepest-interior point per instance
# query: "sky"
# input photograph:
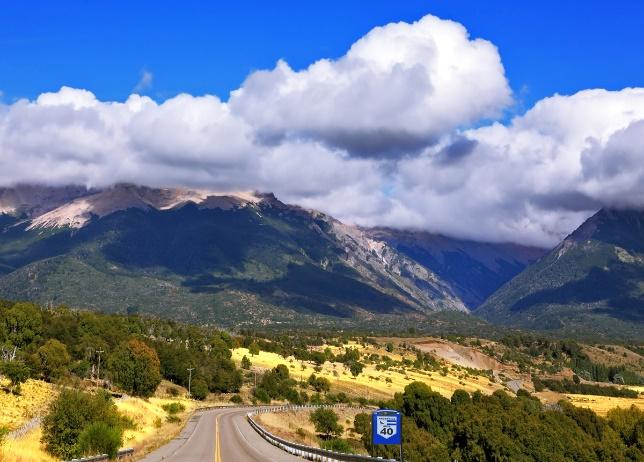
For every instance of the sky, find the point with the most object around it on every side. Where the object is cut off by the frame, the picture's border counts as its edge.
(495, 121)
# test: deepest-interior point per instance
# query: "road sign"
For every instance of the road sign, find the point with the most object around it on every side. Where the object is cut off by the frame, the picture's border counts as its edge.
(386, 427)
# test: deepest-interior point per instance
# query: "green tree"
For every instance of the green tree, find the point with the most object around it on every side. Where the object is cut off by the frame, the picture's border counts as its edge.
(245, 362)
(135, 368)
(70, 414)
(253, 349)
(199, 389)
(326, 422)
(54, 359)
(23, 324)
(17, 372)
(390, 347)
(355, 368)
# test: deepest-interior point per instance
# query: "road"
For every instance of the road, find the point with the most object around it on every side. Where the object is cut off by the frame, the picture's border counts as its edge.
(219, 435)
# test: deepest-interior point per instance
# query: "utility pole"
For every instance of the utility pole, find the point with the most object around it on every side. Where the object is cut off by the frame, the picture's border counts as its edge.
(98, 373)
(190, 369)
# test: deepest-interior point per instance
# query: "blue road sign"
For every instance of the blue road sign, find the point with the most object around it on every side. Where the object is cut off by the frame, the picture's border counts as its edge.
(386, 426)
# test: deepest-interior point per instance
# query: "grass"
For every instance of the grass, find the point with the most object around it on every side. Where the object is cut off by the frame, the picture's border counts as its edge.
(33, 401)
(371, 383)
(152, 429)
(296, 426)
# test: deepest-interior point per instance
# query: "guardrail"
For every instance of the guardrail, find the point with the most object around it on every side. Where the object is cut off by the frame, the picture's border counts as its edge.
(121, 454)
(301, 450)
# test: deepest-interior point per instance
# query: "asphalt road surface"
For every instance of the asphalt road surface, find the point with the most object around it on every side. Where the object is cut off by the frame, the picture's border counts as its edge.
(219, 435)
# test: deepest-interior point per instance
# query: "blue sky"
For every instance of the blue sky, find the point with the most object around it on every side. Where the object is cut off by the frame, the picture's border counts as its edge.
(545, 46)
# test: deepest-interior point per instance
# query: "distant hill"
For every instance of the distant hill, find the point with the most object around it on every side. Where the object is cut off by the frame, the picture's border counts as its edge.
(474, 270)
(209, 257)
(592, 281)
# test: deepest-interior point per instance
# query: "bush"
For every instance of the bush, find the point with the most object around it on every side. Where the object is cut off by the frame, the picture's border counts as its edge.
(236, 399)
(173, 391)
(71, 414)
(326, 422)
(337, 445)
(135, 368)
(199, 389)
(100, 438)
(173, 408)
(172, 418)
(245, 363)
(17, 373)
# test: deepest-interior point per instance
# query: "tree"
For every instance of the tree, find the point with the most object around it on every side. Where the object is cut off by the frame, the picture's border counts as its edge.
(54, 359)
(71, 414)
(245, 362)
(390, 347)
(135, 368)
(326, 422)
(253, 349)
(199, 389)
(319, 384)
(23, 324)
(355, 368)
(17, 372)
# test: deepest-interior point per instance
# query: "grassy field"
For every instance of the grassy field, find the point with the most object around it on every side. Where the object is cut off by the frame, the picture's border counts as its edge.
(376, 384)
(372, 383)
(152, 430)
(296, 426)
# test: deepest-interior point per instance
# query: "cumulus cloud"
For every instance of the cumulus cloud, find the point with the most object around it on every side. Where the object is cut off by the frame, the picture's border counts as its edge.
(398, 89)
(382, 136)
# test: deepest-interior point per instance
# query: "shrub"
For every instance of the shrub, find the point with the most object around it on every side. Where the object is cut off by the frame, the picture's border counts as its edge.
(326, 422)
(70, 414)
(173, 391)
(199, 389)
(173, 408)
(135, 368)
(100, 438)
(245, 362)
(17, 372)
(171, 418)
(236, 399)
(337, 445)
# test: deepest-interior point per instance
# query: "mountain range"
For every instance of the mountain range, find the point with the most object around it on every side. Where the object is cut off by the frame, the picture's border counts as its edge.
(246, 258)
(592, 281)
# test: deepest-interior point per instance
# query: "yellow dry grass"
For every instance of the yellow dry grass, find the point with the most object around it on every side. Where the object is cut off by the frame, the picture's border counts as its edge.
(371, 383)
(36, 395)
(286, 424)
(33, 400)
(26, 449)
(602, 404)
(147, 415)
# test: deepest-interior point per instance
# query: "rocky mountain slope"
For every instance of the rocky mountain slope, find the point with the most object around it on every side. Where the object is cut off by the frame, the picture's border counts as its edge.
(226, 258)
(474, 270)
(593, 281)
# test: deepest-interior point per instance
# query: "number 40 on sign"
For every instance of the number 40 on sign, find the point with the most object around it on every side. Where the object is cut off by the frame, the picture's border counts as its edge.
(386, 426)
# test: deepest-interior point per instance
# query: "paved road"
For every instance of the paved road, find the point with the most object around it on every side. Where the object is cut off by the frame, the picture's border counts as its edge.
(219, 435)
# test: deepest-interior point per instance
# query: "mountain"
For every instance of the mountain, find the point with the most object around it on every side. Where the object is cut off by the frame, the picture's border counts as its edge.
(593, 280)
(211, 257)
(473, 270)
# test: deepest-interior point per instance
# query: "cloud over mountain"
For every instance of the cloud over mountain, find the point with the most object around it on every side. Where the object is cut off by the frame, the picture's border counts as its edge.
(392, 133)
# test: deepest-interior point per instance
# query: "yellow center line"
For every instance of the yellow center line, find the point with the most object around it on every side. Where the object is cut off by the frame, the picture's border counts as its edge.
(217, 445)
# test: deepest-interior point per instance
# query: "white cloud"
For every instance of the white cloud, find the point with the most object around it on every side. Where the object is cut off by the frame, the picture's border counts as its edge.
(377, 137)
(145, 81)
(397, 90)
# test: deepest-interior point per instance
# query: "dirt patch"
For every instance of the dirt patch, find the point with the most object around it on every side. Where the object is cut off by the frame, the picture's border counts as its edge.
(460, 355)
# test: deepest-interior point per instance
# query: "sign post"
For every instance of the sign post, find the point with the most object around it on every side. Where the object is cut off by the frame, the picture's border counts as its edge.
(386, 428)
